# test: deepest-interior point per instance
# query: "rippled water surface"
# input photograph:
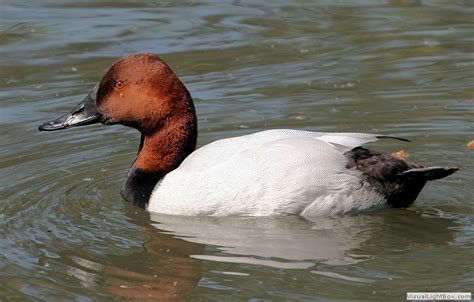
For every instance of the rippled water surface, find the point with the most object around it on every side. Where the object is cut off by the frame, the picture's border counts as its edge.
(400, 67)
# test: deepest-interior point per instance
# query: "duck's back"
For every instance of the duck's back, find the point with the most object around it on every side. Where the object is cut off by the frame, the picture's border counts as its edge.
(267, 173)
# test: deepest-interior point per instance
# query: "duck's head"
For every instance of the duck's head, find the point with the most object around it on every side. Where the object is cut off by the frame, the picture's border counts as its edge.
(142, 92)
(139, 91)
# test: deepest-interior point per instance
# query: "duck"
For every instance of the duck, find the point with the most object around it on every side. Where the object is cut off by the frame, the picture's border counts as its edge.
(272, 172)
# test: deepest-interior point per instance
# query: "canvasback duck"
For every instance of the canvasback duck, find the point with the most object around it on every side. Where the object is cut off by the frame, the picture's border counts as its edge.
(266, 173)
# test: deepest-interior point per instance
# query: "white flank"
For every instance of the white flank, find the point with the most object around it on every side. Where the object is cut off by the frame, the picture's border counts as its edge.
(268, 173)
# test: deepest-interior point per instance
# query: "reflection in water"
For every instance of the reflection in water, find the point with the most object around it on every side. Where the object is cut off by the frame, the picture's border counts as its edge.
(169, 275)
(171, 264)
(163, 271)
(290, 241)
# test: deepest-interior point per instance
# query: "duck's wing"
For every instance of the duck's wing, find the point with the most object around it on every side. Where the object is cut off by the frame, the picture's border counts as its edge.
(344, 142)
(221, 150)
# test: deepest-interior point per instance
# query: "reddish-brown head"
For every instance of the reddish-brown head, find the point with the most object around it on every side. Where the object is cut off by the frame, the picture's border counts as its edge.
(141, 91)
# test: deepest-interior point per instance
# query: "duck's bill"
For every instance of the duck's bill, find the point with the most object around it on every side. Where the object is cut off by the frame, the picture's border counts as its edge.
(85, 114)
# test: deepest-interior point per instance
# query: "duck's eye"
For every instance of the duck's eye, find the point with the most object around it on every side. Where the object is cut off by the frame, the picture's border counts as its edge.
(119, 84)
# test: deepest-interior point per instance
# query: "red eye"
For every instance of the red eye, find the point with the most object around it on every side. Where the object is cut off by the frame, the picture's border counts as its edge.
(119, 84)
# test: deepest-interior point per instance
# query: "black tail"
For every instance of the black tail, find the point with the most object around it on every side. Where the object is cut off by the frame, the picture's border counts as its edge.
(431, 173)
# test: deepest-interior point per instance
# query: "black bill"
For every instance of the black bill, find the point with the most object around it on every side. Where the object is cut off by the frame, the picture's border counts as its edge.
(85, 114)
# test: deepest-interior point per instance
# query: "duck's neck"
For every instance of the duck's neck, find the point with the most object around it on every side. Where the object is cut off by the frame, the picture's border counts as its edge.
(160, 152)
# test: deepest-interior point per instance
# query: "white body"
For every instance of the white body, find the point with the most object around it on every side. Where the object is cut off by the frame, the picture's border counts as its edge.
(267, 173)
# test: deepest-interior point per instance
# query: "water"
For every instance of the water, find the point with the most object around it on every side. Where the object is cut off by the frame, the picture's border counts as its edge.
(392, 67)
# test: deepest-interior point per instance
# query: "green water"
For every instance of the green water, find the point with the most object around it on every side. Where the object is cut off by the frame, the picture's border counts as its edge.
(403, 68)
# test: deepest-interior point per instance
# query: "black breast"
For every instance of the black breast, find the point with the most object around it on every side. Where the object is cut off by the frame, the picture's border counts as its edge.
(139, 185)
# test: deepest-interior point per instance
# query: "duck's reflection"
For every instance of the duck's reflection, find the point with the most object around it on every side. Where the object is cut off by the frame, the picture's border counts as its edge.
(162, 271)
(170, 266)
(283, 242)
(166, 272)
(297, 242)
